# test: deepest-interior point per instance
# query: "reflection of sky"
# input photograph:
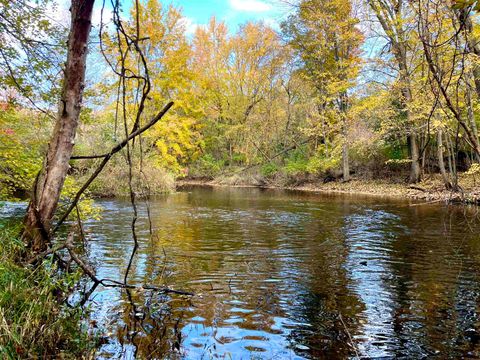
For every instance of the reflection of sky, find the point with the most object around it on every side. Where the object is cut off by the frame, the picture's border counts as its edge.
(260, 247)
(369, 241)
(271, 273)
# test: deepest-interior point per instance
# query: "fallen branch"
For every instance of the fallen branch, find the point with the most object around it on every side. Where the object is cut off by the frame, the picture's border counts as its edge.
(413, 187)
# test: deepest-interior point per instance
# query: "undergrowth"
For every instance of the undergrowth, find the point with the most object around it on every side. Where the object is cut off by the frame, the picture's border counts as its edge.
(35, 320)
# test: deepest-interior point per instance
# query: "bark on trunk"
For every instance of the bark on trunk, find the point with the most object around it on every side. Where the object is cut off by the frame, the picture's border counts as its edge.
(471, 117)
(452, 162)
(49, 183)
(346, 164)
(415, 170)
(441, 162)
(345, 159)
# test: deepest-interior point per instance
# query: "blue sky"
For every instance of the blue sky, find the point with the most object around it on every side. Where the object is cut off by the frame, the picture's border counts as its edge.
(198, 12)
(233, 12)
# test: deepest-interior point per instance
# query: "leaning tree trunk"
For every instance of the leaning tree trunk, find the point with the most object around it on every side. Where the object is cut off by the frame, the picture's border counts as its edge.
(49, 182)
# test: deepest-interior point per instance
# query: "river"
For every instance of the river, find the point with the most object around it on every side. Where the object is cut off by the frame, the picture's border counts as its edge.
(288, 275)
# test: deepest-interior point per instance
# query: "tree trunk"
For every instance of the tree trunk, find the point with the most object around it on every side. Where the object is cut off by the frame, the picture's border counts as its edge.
(346, 165)
(452, 105)
(473, 45)
(390, 16)
(345, 159)
(415, 170)
(471, 117)
(49, 182)
(441, 163)
(452, 162)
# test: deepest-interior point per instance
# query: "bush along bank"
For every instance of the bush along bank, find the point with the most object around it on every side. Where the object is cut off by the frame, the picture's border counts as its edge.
(36, 320)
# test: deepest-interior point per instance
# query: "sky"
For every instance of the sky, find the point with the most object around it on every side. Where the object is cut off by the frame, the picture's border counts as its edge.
(198, 12)
(233, 12)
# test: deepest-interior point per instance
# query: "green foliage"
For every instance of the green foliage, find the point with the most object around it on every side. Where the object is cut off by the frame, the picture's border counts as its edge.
(22, 140)
(87, 208)
(269, 169)
(32, 321)
(296, 163)
(320, 164)
(207, 166)
(32, 49)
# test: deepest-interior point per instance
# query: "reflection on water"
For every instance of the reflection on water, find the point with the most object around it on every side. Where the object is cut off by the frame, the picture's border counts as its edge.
(280, 275)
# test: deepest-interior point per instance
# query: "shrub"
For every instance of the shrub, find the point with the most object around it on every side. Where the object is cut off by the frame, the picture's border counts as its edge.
(148, 179)
(269, 169)
(207, 166)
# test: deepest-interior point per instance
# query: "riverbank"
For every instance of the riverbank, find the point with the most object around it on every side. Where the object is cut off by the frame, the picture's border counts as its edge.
(431, 189)
(36, 320)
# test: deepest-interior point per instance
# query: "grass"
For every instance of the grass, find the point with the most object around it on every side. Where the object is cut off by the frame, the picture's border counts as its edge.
(35, 321)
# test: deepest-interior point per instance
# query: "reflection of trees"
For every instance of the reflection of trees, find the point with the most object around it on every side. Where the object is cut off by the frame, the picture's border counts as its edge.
(150, 325)
(277, 269)
(425, 298)
(325, 294)
(261, 264)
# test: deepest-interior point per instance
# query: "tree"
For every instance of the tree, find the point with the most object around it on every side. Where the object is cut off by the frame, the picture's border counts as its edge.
(444, 52)
(235, 77)
(50, 180)
(31, 52)
(392, 16)
(324, 35)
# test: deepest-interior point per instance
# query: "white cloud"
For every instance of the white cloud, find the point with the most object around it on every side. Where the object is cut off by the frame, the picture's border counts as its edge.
(274, 24)
(250, 5)
(190, 25)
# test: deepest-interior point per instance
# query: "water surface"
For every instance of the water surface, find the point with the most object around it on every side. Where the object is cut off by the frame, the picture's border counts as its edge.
(288, 275)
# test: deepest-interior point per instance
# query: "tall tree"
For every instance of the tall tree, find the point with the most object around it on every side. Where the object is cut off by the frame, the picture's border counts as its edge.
(392, 16)
(325, 36)
(50, 180)
(236, 76)
(444, 52)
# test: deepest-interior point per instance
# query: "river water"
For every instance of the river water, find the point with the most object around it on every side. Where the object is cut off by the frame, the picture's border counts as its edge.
(288, 275)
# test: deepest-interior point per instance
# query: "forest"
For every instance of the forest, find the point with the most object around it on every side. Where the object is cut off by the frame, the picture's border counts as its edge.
(371, 90)
(124, 100)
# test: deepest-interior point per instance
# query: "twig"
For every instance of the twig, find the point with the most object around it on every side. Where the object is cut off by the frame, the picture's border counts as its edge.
(349, 336)
(90, 272)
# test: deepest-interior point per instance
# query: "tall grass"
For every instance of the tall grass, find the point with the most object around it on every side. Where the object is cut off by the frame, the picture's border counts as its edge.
(35, 321)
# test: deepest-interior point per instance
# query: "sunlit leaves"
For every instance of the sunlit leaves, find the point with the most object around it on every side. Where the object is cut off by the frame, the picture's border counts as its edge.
(462, 4)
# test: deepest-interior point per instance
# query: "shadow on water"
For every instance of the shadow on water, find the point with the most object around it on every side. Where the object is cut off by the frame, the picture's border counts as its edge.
(289, 275)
